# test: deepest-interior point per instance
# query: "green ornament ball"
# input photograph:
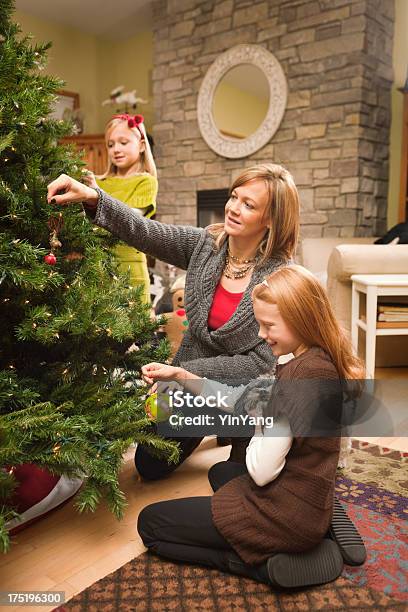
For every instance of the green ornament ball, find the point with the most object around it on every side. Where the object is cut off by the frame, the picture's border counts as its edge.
(158, 409)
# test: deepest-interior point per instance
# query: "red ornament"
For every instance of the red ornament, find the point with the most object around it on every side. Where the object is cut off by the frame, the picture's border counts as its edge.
(50, 259)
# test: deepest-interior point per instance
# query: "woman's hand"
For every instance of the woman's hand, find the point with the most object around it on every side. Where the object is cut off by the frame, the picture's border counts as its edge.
(66, 190)
(153, 372)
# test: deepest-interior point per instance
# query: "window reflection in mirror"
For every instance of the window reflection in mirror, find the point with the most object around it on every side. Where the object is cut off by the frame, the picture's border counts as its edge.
(241, 101)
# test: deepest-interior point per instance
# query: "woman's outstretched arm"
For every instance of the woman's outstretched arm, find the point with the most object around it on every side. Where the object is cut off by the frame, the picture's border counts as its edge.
(173, 244)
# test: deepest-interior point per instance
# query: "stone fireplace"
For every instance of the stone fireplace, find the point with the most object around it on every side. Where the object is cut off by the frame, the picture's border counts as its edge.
(210, 206)
(337, 59)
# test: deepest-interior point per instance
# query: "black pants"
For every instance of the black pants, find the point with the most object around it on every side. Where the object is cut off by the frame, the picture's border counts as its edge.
(153, 468)
(183, 529)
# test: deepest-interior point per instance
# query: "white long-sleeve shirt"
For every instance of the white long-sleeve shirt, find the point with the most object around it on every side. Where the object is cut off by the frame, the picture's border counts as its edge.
(267, 449)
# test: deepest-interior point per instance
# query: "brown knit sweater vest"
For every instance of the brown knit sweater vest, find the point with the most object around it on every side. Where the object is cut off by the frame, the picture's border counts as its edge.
(293, 512)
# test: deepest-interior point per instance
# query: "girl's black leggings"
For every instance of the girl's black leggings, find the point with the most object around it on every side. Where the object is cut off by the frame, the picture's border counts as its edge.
(183, 529)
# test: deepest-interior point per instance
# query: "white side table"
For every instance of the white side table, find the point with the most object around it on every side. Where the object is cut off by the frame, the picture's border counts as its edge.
(374, 285)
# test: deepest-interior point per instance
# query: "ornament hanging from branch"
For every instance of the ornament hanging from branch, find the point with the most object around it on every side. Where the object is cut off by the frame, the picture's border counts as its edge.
(50, 259)
(55, 225)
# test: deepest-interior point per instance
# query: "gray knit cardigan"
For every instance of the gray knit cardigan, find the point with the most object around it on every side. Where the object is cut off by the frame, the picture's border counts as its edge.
(233, 352)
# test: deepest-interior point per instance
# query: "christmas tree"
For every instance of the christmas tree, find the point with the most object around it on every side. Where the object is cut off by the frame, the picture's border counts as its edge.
(70, 394)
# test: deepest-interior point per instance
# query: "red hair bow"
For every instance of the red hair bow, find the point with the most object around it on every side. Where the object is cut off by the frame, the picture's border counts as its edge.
(133, 121)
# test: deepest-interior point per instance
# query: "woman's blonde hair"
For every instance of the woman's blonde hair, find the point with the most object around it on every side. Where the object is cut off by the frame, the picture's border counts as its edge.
(305, 308)
(282, 213)
(147, 163)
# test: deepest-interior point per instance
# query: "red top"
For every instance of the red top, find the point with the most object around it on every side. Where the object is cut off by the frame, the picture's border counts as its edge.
(223, 307)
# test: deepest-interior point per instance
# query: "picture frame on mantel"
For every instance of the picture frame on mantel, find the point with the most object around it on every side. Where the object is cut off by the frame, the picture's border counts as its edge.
(65, 100)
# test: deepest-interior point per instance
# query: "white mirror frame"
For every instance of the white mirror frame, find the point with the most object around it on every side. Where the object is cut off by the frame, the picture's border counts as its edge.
(278, 92)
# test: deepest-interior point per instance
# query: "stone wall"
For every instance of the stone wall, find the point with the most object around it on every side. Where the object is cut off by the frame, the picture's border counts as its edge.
(337, 58)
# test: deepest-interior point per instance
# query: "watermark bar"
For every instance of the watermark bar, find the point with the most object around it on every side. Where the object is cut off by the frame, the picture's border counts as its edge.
(31, 598)
(310, 407)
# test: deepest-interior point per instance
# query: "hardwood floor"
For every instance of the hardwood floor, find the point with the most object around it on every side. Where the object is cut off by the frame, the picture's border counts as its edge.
(391, 373)
(68, 552)
(398, 443)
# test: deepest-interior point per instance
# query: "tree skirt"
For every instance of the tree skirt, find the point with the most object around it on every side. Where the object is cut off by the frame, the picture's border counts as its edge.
(373, 488)
(38, 492)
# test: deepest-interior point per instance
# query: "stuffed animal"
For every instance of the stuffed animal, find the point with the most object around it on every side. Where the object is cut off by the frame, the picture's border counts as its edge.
(177, 323)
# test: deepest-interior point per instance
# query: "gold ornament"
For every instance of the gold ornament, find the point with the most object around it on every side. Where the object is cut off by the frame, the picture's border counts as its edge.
(55, 224)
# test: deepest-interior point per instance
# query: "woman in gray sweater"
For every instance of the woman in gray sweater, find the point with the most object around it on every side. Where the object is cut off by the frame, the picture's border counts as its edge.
(223, 262)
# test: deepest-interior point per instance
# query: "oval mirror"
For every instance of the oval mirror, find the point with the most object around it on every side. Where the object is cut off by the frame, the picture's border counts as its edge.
(241, 101)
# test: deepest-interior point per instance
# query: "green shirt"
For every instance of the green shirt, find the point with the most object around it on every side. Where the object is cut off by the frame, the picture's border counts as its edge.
(137, 191)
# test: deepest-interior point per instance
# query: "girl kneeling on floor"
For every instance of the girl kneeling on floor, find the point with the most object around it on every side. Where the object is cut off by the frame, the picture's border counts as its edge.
(269, 520)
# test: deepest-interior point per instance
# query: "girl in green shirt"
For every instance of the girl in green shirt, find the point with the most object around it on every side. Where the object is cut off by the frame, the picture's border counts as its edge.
(131, 177)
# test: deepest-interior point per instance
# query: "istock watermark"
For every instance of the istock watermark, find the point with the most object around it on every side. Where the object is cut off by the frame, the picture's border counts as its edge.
(313, 407)
(182, 399)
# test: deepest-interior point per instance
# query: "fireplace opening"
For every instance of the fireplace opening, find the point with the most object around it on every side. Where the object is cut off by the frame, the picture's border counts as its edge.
(210, 206)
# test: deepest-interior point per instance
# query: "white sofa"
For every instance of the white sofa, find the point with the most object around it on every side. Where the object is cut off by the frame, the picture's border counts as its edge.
(315, 253)
(348, 259)
(334, 260)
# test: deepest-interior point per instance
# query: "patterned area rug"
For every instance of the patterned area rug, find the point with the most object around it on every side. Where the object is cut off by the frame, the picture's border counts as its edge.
(373, 488)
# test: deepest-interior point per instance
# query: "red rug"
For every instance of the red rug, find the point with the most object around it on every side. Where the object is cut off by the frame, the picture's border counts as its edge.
(373, 488)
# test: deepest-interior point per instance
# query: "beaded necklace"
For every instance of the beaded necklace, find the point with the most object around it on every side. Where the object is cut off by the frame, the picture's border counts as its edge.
(236, 267)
